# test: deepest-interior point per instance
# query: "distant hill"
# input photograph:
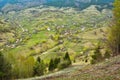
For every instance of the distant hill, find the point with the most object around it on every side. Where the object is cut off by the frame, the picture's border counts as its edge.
(9, 5)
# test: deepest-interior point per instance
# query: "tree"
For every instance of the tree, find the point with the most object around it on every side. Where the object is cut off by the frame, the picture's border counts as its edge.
(65, 62)
(114, 30)
(67, 58)
(38, 59)
(5, 68)
(39, 67)
(51, 65)
(56, 62)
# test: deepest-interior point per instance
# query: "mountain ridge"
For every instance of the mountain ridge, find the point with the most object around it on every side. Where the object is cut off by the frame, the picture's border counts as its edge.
(81, 4)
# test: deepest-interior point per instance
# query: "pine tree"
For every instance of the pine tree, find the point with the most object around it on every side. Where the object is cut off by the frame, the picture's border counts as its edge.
(38, 59)
(67, 58)
(56, 62)
(39, 67)
(51, 65)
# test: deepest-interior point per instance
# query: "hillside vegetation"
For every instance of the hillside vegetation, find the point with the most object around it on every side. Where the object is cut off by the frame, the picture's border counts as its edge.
(106, 70)
(59, 41)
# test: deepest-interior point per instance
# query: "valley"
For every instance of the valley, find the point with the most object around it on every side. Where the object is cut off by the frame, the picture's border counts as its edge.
(38, 32)
(33, 34)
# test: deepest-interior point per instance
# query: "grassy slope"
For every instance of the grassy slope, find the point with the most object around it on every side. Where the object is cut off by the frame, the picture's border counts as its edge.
(106, 70)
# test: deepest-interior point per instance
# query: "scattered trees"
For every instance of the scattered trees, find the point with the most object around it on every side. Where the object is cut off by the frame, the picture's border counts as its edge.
(27, 67)
(39, 67)
(60, 63)
(65, 62)
(54, 63)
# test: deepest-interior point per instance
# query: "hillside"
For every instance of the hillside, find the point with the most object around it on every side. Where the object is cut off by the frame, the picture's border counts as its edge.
(55, 38)
(105, 70)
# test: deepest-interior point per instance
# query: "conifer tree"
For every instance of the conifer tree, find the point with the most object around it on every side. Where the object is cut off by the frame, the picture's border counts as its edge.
(38, 59)
(39, 67)
(56, 62)
(51, 65)
(67, 58)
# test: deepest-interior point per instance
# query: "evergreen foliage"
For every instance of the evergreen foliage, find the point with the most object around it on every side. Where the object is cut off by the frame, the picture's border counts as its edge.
(39, 67)
(56, 62)
(51, 65)
(38, 59)
(65, 62)
(67, 58)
